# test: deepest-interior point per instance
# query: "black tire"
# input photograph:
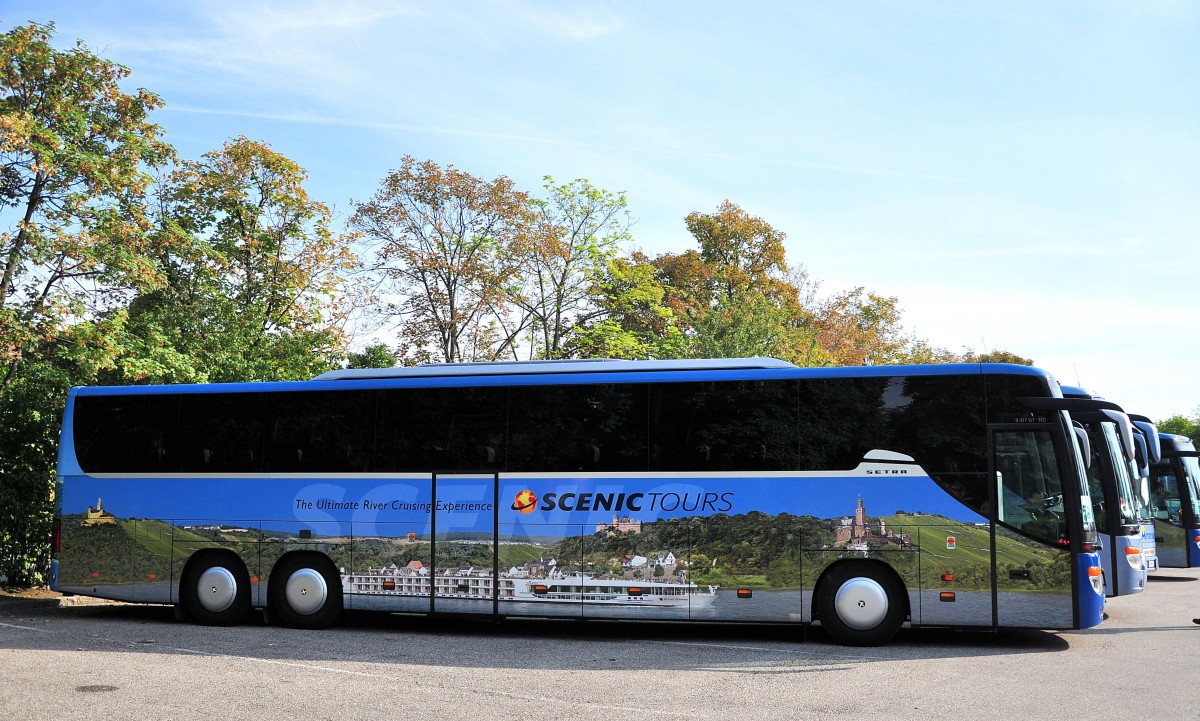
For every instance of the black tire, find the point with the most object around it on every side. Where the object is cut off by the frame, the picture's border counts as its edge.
(861, 604)
(305, 591)
(215, 589)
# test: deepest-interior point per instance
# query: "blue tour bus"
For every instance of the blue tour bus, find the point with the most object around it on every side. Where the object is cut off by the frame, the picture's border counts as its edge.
(1175, 497)
(741, 490)
(1117, 507)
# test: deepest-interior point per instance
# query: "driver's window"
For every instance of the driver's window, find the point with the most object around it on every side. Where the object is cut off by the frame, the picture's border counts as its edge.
(1029, 487)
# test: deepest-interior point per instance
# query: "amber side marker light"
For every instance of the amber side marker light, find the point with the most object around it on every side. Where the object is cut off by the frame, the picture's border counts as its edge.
(946, 597)
(745, 593)
(948, 577)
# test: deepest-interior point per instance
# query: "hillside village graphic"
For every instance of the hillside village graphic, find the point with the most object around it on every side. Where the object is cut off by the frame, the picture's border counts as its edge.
(860, 534)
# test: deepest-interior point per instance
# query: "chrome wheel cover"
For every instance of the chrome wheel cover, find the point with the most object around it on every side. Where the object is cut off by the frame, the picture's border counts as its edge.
(216, 589)
(861, 603)
(306, 591)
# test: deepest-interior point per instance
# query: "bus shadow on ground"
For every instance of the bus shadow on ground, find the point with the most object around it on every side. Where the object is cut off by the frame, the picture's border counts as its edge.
(528, 644)
(810, 642)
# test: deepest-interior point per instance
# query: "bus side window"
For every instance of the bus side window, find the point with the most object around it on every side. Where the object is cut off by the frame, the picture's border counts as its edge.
(221, 432)
(578, 428)
(132, 434)
(440, 429)
(725, 426)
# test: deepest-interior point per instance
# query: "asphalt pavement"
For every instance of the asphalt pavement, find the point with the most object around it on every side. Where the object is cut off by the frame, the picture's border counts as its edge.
(89, 660)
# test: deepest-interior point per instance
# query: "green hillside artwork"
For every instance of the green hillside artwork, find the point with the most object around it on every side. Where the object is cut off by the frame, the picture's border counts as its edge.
(122, 550)
(745, 550)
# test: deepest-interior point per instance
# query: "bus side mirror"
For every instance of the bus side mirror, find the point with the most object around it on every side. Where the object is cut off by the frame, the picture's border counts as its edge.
(1085, 446)
(1125, 429)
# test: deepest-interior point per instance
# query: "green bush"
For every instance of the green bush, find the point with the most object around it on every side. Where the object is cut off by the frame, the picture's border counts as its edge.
(30, 417)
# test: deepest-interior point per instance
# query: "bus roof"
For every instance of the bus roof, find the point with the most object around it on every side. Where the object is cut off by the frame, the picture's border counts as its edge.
(594, 365)
(572, 372)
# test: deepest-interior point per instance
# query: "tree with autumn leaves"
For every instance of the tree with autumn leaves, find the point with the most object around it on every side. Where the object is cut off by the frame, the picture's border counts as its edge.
(122, 265)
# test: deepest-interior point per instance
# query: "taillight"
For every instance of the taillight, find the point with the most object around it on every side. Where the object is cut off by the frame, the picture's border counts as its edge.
(56, 537)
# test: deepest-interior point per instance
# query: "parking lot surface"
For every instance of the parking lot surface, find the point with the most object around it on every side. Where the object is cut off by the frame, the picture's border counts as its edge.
(83, 659)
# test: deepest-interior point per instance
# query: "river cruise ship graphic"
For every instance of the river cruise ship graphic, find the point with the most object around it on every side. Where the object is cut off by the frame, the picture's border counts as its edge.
(472, 583)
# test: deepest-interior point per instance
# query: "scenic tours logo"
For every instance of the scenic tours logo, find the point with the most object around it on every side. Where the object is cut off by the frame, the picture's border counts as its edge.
(525, 502)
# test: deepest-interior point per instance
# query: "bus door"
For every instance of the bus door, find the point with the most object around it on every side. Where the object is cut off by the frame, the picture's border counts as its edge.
(540, 546)
(463, 519)
(1031, 554)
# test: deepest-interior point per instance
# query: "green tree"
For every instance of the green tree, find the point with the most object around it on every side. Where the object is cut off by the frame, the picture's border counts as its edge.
(1182, 426)
(575, 234)
(446, 247)
(75, 149)
(258, 283)
(376, 355)
(631, 319)
(995, 356)
(30, 419)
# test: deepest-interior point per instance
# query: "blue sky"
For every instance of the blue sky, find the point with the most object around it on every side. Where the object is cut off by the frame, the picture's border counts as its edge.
(1019, 175)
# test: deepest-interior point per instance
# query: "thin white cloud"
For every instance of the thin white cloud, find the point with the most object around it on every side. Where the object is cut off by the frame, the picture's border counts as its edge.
(313, 119)
(572, 22)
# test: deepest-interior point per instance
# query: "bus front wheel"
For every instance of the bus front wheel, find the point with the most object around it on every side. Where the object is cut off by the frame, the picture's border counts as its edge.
(305, 592)
(215, 590)
(861, 604)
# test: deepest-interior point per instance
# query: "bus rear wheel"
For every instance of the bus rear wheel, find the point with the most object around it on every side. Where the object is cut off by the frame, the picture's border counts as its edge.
(305, 592)
(861, 604)
(215, 590)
